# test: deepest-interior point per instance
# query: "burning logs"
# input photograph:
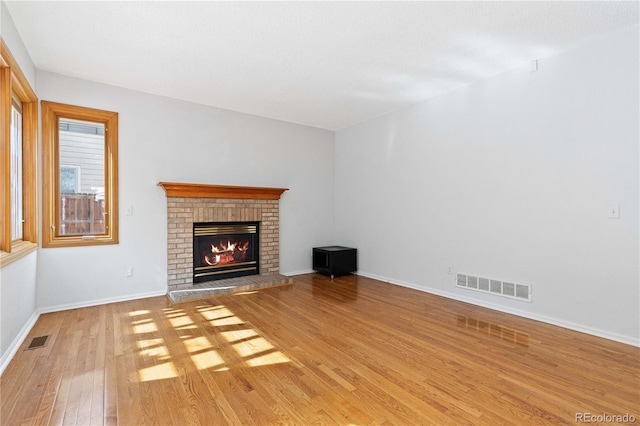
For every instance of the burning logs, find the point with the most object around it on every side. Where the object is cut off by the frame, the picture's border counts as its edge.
(232, 252)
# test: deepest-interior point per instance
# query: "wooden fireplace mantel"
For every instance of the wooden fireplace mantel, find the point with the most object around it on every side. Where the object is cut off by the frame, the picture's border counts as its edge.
(174, 189)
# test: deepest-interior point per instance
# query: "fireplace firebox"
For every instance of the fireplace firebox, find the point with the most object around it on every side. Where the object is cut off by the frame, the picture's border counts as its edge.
(225, 250)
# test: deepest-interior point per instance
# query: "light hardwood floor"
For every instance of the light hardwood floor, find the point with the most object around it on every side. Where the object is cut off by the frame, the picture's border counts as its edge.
(347, 351)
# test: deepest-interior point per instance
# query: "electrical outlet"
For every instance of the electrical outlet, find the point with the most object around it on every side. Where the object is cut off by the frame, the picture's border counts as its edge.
(450, 270)
(130, 272)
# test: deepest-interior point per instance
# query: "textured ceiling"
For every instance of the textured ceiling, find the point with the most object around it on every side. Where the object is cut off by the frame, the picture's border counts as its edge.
(322, 64)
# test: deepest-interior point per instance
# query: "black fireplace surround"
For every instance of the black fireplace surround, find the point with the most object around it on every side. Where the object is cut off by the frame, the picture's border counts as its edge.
(225, 250)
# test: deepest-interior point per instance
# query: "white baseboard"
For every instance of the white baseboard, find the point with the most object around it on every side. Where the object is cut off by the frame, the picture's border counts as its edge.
(291, 274)
(97, 302)
(17, 342)
(542, 318)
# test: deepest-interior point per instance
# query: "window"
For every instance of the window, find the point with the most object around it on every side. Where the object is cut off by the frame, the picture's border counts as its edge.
(80, 189)
(16, 171)
(18, 161)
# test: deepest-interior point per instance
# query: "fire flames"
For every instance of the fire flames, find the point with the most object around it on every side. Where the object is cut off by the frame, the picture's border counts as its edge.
(222, 254)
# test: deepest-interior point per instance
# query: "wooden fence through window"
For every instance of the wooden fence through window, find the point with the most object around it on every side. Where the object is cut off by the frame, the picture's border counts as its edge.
(81, 214)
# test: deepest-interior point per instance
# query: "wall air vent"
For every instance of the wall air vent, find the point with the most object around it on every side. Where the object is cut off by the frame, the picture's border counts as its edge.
(493, 286)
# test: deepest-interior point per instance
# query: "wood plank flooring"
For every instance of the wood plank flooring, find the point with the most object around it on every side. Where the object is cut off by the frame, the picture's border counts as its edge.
(348, 351)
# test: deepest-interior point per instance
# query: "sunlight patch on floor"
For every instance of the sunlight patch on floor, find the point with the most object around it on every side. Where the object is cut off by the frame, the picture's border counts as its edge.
(252, 347)
(268, 359)
(236, 335)
(206, 360)
(248, 344)
(147, 327)
(221, 317)
(157, 372)
(196, 344)
(221, 369)
(227, 321)
(183, 321)
(153, 348)
(204, 351)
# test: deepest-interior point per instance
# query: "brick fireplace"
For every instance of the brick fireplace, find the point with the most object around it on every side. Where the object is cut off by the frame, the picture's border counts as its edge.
(193, 203)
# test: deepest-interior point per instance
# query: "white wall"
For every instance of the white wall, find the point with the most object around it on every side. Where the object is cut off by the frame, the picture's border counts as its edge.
(509, 178)
(18, 305)
(12, 38)
(162, 139)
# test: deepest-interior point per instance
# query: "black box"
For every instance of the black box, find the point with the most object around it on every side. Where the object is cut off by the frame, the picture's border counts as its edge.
(335, 260)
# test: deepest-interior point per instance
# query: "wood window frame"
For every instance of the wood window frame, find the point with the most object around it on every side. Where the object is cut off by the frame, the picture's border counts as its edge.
(51, 113)
(13, 83)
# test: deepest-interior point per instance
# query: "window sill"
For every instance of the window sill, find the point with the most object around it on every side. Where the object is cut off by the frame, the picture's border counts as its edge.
(18, 250)
(76, 241)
